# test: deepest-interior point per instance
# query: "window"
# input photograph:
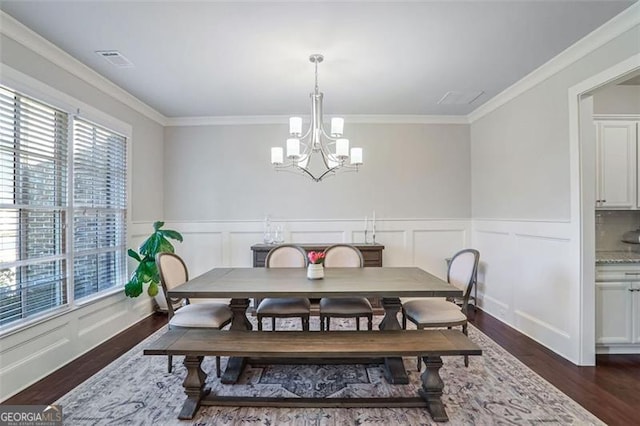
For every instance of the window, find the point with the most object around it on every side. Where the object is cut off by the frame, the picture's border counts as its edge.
(38, 257)
(100, 203)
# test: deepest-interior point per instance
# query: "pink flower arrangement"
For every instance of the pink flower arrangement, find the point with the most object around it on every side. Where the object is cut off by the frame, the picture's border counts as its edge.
(316, 257)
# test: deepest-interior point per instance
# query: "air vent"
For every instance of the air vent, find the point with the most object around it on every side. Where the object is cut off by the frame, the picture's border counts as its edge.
(115, 58)
(460, 98)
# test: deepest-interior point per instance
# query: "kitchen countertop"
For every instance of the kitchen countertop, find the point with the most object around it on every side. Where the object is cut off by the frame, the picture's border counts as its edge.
(616, 257)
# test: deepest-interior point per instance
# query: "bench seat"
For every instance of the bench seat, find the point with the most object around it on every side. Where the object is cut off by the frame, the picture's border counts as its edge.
(431, 345)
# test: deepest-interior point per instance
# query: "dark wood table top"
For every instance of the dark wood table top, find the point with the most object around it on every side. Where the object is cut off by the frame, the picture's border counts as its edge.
(243, 283)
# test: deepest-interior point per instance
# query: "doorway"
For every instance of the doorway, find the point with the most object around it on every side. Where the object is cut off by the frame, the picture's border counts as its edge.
(583, 192)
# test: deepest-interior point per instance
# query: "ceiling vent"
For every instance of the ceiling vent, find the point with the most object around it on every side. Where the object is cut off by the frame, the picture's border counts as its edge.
(460, 98)
(115, 58)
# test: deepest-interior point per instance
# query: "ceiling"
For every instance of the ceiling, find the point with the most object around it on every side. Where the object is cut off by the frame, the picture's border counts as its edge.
(248, 58)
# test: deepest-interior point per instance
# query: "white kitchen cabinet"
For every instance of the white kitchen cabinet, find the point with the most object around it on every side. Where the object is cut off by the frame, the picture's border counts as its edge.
(618, 309)
(616, 172)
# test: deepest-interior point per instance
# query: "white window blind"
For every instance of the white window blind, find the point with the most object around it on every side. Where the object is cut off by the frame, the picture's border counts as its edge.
(33, 206)
(37, 260)
(100, 203)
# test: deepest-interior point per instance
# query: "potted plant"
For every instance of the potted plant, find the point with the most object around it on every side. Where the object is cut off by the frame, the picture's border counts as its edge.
(147, 271)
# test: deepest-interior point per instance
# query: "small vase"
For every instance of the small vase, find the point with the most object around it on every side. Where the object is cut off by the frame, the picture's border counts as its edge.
(315, 271)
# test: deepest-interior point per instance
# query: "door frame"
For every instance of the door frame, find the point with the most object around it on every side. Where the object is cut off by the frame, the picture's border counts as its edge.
(582, 197)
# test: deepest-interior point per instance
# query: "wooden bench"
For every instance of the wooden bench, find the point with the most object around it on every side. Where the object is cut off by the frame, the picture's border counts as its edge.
(431, 345)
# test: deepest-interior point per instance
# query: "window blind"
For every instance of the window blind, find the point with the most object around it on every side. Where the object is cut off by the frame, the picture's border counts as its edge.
(33, 206)
(100, 202)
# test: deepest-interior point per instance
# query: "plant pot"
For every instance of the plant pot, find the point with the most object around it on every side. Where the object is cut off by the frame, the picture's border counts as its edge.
(315, 271)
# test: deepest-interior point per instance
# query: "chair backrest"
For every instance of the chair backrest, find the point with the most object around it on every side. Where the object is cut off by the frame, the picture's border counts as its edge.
(343, 256)
(463, 269)
(286, 256)
(173, 272)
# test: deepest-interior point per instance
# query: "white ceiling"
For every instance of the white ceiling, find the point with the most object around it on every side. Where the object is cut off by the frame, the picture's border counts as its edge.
(217, 58)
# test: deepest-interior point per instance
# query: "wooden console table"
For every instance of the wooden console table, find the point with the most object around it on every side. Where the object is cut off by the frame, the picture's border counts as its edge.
(372, 254)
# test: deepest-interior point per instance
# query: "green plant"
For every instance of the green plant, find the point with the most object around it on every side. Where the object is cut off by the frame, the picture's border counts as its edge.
(147, 271)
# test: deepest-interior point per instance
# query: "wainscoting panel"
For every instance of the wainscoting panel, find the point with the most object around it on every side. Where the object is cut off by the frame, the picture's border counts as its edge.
(239, 249)
(431, 247)
(35, 351)
(437, 240)
(526, 279)
(201, 248)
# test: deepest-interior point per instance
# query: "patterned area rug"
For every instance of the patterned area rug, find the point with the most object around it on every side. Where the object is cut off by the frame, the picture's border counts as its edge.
(496, 389)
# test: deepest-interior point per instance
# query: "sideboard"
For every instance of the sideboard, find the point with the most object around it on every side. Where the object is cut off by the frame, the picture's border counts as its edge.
(372, 254)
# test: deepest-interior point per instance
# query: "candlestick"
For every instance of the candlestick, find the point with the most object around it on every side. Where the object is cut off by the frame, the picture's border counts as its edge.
(366, 225)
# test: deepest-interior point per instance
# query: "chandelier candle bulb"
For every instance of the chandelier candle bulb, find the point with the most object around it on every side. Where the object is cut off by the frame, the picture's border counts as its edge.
(277, 155)
(293, 148)
(295, 125)
(356, 156)
(342, 148)
(337, 126)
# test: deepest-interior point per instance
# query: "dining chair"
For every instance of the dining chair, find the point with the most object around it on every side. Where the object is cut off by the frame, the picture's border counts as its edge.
(344, 256)
(215, 315)
(285, 256)
(438, 312)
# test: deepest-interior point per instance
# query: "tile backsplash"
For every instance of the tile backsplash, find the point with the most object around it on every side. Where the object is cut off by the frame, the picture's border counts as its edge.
(611, 225)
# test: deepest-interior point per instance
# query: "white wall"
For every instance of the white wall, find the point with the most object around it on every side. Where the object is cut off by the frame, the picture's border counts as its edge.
(224, 173)
(522, 200)
(29, 354)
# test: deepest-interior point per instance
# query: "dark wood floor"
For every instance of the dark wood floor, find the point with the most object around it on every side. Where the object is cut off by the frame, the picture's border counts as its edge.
(611, 390)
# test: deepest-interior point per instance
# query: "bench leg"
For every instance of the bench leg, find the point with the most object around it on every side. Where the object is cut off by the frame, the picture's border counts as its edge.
(193, 387)
(432, 386)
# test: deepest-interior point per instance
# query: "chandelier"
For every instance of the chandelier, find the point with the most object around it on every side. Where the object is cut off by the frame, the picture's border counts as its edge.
(316, 153)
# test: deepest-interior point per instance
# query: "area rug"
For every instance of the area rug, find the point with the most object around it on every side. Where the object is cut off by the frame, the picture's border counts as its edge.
(496, 389)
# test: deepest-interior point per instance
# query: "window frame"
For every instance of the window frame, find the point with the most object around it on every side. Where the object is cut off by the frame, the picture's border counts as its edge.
(41, 92)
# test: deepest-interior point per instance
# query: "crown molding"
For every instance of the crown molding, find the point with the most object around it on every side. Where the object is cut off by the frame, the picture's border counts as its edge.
(17, 31)
(619, 24)
(284, 119)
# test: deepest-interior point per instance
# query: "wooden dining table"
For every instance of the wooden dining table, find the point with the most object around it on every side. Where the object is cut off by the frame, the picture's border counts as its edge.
(388, 283)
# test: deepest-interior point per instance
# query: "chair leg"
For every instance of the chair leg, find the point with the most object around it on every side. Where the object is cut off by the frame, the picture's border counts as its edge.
(420, 359)
(273, 323)
(404, 320)
(321, 322)
(466, 357)
(259, 323)
(305, 323)
(357, 323)
(170, 363)
(328, 323)
(218, 372)
(370, 322)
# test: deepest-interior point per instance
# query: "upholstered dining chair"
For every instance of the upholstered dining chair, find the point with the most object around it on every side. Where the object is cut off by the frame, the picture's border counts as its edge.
(285, 256)
(344, 256)
(173, 272)
(437, 312)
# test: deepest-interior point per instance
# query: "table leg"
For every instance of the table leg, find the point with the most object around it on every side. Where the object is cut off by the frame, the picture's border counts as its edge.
(239, 311)
(235, 365)
(193, 387)
(432, 386)
(394, 370)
